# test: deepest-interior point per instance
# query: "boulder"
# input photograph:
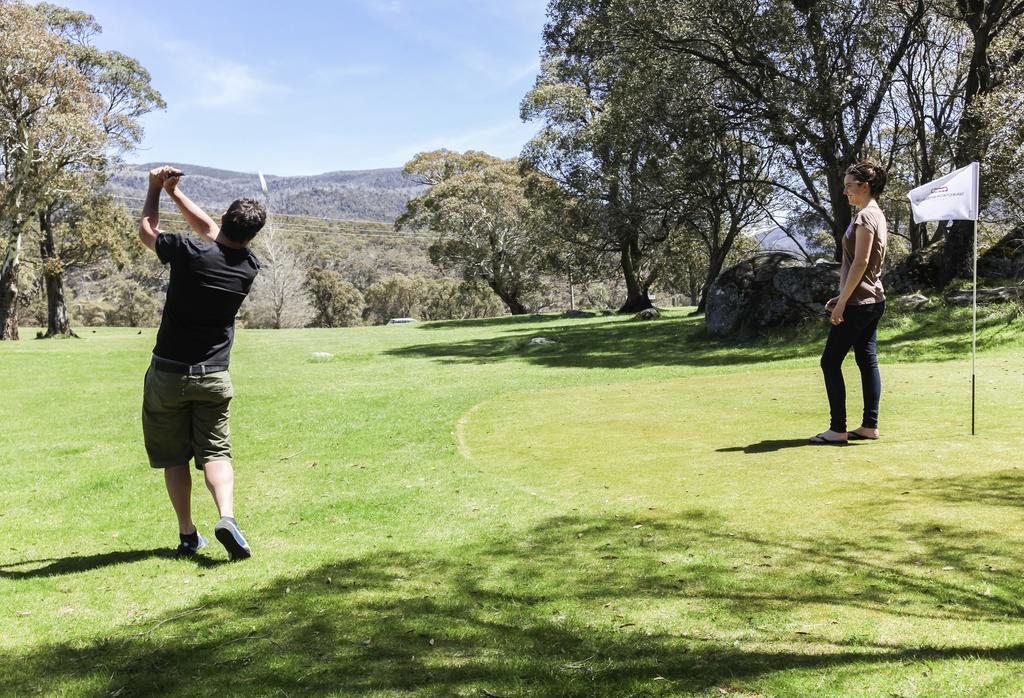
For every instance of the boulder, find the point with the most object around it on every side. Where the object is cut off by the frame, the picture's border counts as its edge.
(771, 289)
(921, 269)
(986, 295)
(648, 314)
(938, 264)
(578, 314)
(912, 301)
(542, 340)
(1005, 259)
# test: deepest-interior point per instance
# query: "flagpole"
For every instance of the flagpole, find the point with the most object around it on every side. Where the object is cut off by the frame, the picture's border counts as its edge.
(974, 327)
(955, 197)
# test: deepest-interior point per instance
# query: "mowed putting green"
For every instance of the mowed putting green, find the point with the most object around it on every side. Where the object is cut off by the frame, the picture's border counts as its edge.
(444, 509)
(726, 437)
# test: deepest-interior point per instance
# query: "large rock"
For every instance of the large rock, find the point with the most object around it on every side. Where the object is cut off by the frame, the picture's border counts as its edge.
(1005, 259)
(986, 295)
(938, 264)
(912, 301)
(769, 290)
(648, 314)
(922, 269)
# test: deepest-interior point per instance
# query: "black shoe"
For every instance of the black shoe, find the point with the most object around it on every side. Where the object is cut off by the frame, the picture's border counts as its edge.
(187, 548)
(230, 536)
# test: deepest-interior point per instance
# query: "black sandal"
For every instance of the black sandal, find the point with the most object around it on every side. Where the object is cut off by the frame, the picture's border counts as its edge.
(819, 440)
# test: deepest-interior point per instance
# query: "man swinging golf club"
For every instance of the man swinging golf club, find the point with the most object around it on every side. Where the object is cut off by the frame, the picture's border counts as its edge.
(187, 387)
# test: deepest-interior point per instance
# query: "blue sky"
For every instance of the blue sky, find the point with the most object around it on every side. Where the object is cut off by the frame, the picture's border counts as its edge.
(304, 87)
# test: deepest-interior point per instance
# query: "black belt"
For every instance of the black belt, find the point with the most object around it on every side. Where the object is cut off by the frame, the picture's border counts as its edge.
(187, 369)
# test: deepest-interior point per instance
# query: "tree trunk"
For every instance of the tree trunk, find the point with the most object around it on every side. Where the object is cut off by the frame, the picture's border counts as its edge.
(714, 269)
(957, 260)
(511, 301)
(841, 211)
(693, 288)
(9, 288)
(636, 295)
(515, 307)
(918, 236)
(57, 320)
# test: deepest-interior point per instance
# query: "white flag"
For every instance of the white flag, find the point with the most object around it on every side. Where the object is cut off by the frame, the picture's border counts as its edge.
(950, 198)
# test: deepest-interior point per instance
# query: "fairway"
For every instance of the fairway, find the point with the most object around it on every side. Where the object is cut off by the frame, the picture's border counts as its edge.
(444, 509)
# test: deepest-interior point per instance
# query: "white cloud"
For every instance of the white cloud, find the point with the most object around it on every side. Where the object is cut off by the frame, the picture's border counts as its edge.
(526, 71)
(218, 83)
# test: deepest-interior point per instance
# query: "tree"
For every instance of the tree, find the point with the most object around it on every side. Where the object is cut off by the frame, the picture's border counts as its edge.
(458, 299)
(598, 142)
(336, 302)
(74, 235)
(395, 296)
(67, 111)
(991, 109)
(131, 304)
(928, 99)
(277, 298)
(643, 141)
(813, 75)
(477, 205)
(123, 89)
(719, 191)
(48, 125)
(688, 263)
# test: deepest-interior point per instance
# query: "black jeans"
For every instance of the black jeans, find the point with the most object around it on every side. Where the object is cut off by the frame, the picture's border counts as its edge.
(857, 331)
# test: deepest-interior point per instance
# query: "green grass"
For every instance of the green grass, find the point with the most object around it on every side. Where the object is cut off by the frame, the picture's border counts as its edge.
(445, 510)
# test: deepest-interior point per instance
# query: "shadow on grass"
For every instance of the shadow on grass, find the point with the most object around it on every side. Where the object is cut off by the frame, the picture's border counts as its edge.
(612, 343)
(51, 567)
(772, 445)
(940, 334)
(576, 606)
(944, 332)
(1002, 488)
(498, 321)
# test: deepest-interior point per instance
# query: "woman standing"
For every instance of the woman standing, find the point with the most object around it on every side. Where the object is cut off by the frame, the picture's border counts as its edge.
(855, 312)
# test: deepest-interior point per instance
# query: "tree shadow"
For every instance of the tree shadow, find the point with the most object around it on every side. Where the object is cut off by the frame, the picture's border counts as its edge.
(73, 564)
(562, 609)
(932, 332)
(622, 343)
(497, 321)
(612, 343)
(1001, 488)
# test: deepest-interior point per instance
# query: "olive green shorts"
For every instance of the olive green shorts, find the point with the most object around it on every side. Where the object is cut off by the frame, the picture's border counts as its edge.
(186, 417)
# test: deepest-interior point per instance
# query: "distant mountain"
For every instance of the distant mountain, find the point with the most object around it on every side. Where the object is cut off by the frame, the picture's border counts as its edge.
(776, 240)
(372, 195)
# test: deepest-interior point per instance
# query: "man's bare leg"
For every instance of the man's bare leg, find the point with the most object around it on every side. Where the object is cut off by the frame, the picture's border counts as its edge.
(179, 488)
(220, 480)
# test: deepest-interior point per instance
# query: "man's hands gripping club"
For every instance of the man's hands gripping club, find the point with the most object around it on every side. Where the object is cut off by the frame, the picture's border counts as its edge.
(167, 178)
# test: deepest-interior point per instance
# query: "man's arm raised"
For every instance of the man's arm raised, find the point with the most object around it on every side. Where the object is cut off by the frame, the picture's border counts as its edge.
(197, 218)
(149, 223)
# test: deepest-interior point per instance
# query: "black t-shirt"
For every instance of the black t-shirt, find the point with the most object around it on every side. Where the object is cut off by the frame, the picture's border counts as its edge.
(208, 284)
